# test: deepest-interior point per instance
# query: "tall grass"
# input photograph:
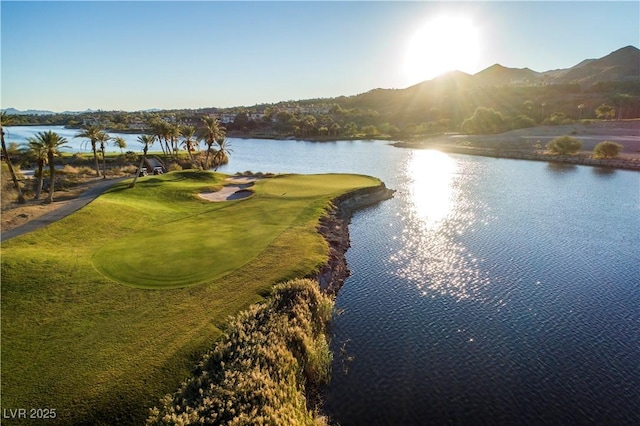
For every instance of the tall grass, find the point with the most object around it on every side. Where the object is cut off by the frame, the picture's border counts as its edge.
(269, 358)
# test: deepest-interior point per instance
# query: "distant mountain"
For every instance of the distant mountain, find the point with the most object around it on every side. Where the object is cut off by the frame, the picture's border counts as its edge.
(13, 111)
(498, 75)
(455, 95)
(621, 65)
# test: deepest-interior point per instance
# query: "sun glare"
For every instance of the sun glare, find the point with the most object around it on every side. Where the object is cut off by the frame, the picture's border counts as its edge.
(445, 43)
(432, 174)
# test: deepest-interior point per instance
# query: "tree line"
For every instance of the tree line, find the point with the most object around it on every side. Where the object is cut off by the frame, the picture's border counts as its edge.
(45, 146)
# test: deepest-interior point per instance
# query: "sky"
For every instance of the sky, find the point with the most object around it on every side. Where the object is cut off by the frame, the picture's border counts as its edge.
(116, 55)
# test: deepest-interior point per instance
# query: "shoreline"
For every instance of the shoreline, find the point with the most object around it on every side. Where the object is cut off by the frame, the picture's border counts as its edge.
(578, 159)
(334, 227)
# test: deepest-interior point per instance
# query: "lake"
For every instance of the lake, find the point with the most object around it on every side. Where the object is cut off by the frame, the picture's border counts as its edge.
(487, 291)
(20, 134)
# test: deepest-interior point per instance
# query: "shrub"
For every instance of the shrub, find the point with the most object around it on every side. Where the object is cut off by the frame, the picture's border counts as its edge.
(175, 167)
(69, 170)
(522, 122)
(564, 145)
(484, 121)
(607, 149)
(557, 118)
(270, 356)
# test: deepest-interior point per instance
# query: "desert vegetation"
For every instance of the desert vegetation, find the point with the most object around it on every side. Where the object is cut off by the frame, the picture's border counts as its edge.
(564, 145)
(269, 359)
(607, 149)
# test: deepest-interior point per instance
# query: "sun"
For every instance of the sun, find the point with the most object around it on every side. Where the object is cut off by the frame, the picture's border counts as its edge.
(445, 43)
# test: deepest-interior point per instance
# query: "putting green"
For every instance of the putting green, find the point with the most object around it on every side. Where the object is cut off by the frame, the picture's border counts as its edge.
(202, 245)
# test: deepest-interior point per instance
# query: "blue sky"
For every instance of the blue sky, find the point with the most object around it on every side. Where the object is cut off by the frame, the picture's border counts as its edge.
(138, 55)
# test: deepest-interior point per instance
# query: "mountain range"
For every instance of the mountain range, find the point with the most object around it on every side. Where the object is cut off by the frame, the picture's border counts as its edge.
(456, 94)
(623, 64)
(462, 89)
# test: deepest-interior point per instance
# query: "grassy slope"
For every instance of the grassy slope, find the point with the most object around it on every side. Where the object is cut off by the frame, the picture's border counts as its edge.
(99, 351)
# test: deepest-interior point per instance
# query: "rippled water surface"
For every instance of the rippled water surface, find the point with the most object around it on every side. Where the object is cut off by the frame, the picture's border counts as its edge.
(488, 291)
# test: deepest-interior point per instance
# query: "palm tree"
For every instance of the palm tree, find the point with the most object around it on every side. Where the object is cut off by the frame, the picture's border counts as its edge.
(147, 141)
(189, 141)
(103, 138)
(39, 152)
(52, 141)
(173, 133)
(93, 134)
(161, 132)
(120, 142)
(5, 119)
(210, 132)
(223, 152)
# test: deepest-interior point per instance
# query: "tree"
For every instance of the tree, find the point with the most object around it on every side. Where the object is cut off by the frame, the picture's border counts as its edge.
(210, 132)
(605, 111)
(370, 130)
(173, 133)
(351, 129)
(119, 142)
(93, 133)
(484, 121)
(607, 149)
(564, 145)
(38, 152)
(4, 119)
(222, 154)
(146, 141)
(103, 138)
(622, 100)
(189, 140)
(161, 132)
(53, 142)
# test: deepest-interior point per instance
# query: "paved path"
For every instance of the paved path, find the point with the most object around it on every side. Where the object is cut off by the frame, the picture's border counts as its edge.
(64, 210)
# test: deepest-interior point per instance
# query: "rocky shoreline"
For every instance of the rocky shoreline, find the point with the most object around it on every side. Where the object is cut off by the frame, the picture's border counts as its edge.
(334, 227)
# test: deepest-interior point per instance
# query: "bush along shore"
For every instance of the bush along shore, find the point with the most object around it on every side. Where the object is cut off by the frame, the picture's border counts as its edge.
(273, 359)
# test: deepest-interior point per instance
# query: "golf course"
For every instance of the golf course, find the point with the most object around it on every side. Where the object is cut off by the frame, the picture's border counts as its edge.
(109, 309)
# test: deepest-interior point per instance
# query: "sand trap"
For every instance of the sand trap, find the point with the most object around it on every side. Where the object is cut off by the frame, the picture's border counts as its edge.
(236, 189)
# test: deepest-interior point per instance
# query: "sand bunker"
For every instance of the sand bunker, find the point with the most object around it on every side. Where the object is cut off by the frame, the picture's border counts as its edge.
(236, 189)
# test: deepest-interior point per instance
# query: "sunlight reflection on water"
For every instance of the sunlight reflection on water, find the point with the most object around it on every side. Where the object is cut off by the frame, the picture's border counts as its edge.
(431, 174)
(432, 257)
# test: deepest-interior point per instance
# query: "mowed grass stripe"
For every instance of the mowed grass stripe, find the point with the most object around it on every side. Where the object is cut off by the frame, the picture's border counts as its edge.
(100, 352)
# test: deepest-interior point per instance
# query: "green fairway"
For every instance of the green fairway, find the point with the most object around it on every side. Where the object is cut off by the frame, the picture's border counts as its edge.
(83, 329)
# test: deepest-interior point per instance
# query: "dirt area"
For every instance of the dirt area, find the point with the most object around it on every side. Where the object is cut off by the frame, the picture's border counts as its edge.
(14, 214)
(624, 132)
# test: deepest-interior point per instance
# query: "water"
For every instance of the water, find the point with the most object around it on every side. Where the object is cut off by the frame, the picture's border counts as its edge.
(20, 134)
(487, 291)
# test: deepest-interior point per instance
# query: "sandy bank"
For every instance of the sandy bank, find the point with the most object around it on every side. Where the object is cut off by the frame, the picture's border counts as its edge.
(529, 144)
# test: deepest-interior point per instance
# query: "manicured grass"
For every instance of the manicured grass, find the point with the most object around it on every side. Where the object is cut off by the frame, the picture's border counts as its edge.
(98, 351)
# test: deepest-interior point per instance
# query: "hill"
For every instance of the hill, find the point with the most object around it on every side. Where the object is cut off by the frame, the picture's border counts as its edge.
(455, 95)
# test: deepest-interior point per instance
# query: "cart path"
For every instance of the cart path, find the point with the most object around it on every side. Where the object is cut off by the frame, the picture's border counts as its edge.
(64, 210)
